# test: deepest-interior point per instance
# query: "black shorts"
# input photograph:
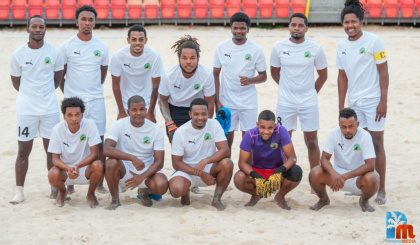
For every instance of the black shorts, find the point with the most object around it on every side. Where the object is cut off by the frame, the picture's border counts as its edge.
(179, 114)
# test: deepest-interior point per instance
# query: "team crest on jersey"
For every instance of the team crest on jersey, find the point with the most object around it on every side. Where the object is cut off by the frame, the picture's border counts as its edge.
(47, 60)
(207, 137)
(146, 140)
(82, 137)
(356, 147)
(274, 146)
(97, 53)
(307, 54)
(248, 57)
(362, 50)
(147, 66)
(197, 86)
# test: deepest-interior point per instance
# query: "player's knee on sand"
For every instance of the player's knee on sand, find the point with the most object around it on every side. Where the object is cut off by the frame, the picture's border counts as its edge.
(54, 175)
(177, 188)
(370, 181)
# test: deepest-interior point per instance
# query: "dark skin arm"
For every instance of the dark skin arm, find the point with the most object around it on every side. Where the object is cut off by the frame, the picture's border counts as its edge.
(210, 102)
(381, 110)
(15, 82)
(157, 165)
(342, 83)
(216, 75)
(322, 77)
(275, 73)
(153, 99)
(118, 98)
(164, 108)
(111, 151)
(104, 70)
(63, 79)
(73, 172)
(260, 78)
(58, 75)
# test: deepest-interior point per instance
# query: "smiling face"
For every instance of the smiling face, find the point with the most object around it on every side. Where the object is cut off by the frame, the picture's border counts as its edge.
(73, 116)
(86, 22)
(348, 127)
(137, 113)
(199, 115)
(239, 31)
(36, 29)
(137, 40)
(188, 61)
(352, 26)
(297, 28)
(266, 128)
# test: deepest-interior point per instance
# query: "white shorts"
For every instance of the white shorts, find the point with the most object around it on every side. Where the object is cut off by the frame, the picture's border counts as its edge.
(128, 175)
(366, 113)
(246, 118)
(81, 180)
(350, 184)
(29, 127)
(194, 180)
(308, 117)
(95, 110)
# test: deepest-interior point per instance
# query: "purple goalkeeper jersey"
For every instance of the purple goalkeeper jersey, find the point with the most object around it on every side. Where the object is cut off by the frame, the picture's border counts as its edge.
(267, 155)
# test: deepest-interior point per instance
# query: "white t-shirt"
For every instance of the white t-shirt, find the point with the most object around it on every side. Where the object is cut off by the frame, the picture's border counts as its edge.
(181, 90)
(349, 153)
(36, 68)
(84, 61)
(140, 142)
(136, 73)
(196, 144)
(359, 59)
(297, 63)
(73, 148)
(238, 60)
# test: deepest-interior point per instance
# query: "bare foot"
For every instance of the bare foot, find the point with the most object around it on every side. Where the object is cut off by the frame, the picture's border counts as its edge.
(351, 194)
(93, 202)
(54, 193)
(70, 189)
(380, 198)
(114, 205)
(218, 205)
(59, 202)
(101, 190)
(365, 206)
(185, 200)
(254, 199)
(196, 190)
(321, 203)
(144, 197)
(281, 202)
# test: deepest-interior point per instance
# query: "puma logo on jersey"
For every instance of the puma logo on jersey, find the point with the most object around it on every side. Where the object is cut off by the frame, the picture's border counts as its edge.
(341, 145)
(29, 63)
(64, 143)
(128, 65)
(228, 55)
(178, 87)
(192, 141)
(344, 52)
(128, 135)
(77, 53)
(288, 52)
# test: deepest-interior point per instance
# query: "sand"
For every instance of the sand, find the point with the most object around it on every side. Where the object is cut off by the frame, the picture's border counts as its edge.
(38, 221)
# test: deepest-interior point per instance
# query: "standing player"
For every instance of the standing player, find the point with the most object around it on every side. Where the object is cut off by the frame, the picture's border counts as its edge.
(36, 69)
(184, 82)
(239, 58)
(354, 163)
(136, 70)
(135, 147)
(363, 72)
(292, 67)
(195, 158)
(86, 65)
(74, 146)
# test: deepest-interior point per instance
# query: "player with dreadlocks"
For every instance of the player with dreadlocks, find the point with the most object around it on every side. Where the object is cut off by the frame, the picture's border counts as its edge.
(363, 73)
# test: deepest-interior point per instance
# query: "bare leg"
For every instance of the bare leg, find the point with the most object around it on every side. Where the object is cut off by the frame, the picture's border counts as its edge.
(57, 178)
(380, 164)
(368, 184)
(230, 138)
(114, 171)
(101, 189)
(54, 191)
(246, 184)
(179, 187)
(286, 187)
(222, 171)
(318, 179)
(94, 173)
(144, 197)
(311, 141)
(21, 168)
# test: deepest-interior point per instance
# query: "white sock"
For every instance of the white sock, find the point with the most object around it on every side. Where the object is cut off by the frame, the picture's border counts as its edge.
(19, 197)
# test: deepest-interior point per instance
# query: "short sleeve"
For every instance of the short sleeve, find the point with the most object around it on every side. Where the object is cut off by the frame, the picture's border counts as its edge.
(159, 144)
(260, 64)
(275, 58)
(59, 62)
(177, 144)
(216, 60)
(95, 138)
(115, 66)
(158, 66)
(209, 88)
(114, 131)
(54, 146)
(105, 56)
(246, 143)
(321, 60)
(368, 149)
(164, 85)
(379, 53)
(218, 132)
(14, 67)
(329, 143)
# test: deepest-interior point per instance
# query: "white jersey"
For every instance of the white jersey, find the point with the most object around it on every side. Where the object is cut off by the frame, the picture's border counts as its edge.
(359, 59)
(84, 61)
(197, 144)
(238, 60)
(136, 73)
(297, 63)
(181, 90)
(349, 153)
(140, 142)
(36, 68)
(74, 147)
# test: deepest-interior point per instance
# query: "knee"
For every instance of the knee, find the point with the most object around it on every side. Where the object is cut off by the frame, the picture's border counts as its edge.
(53, 175)
(111, 164)
(162, 185)
(371, 180)
(226, 164)
(23, 152)
(239, 178)
(315, 173)
(312, 143)
(295, 173)
(98, 166)
(177, 189)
